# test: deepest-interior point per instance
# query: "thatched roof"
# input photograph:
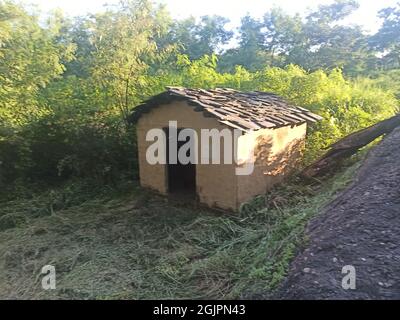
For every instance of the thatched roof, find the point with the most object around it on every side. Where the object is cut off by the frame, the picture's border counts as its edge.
(241, 110)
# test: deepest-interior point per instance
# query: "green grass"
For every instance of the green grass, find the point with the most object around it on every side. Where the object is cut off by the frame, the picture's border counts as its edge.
(135, 245)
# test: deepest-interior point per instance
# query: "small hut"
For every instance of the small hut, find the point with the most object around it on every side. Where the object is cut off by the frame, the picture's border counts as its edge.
(267, 137)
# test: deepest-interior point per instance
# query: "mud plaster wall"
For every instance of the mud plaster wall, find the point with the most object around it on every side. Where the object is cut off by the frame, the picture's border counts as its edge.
(276, 153)
(216, 184)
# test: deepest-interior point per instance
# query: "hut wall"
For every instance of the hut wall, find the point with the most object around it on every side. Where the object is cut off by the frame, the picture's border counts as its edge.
(276, 153)
(216, 184)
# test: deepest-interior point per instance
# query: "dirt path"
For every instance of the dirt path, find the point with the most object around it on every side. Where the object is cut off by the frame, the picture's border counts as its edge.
(360, 228)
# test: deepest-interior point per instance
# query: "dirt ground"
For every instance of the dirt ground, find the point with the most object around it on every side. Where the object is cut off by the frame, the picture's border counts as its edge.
(361, 228)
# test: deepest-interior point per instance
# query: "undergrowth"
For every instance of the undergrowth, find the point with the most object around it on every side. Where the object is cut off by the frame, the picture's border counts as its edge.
(134, 245)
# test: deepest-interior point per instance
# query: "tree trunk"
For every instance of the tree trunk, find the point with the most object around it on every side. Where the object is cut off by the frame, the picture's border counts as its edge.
(350, 145)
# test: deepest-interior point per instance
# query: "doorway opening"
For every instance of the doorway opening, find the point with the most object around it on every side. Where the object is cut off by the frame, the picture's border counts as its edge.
(181, 178)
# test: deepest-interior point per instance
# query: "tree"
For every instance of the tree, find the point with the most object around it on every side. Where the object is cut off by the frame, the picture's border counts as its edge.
(77, 31)
(334, 12)
(329, 44)
(387, 40)
(197, 39)
(31, 57)
(250, 53)
(283, 34)
(318, 41)
(124, 45)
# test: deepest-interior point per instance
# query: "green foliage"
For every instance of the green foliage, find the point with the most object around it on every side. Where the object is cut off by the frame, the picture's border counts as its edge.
(98, 147)
(30, 58)
(387, 40)
(317, 41)
(198, 38)
(67, 86)
(389, 81)
(346, 106)
(123, 44)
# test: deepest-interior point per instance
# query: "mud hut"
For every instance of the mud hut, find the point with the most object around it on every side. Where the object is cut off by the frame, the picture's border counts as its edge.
(240, 143)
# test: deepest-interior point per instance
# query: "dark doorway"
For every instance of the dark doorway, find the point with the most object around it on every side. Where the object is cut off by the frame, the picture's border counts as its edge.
(181, 177)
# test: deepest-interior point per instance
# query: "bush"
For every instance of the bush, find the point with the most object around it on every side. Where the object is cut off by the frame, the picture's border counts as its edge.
(345, 105)
(56, 148)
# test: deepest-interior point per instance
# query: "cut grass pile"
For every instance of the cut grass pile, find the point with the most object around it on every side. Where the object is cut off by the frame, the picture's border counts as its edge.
(136, 245)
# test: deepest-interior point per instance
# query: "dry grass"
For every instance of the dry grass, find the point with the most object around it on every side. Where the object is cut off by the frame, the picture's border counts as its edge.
(135, 245)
